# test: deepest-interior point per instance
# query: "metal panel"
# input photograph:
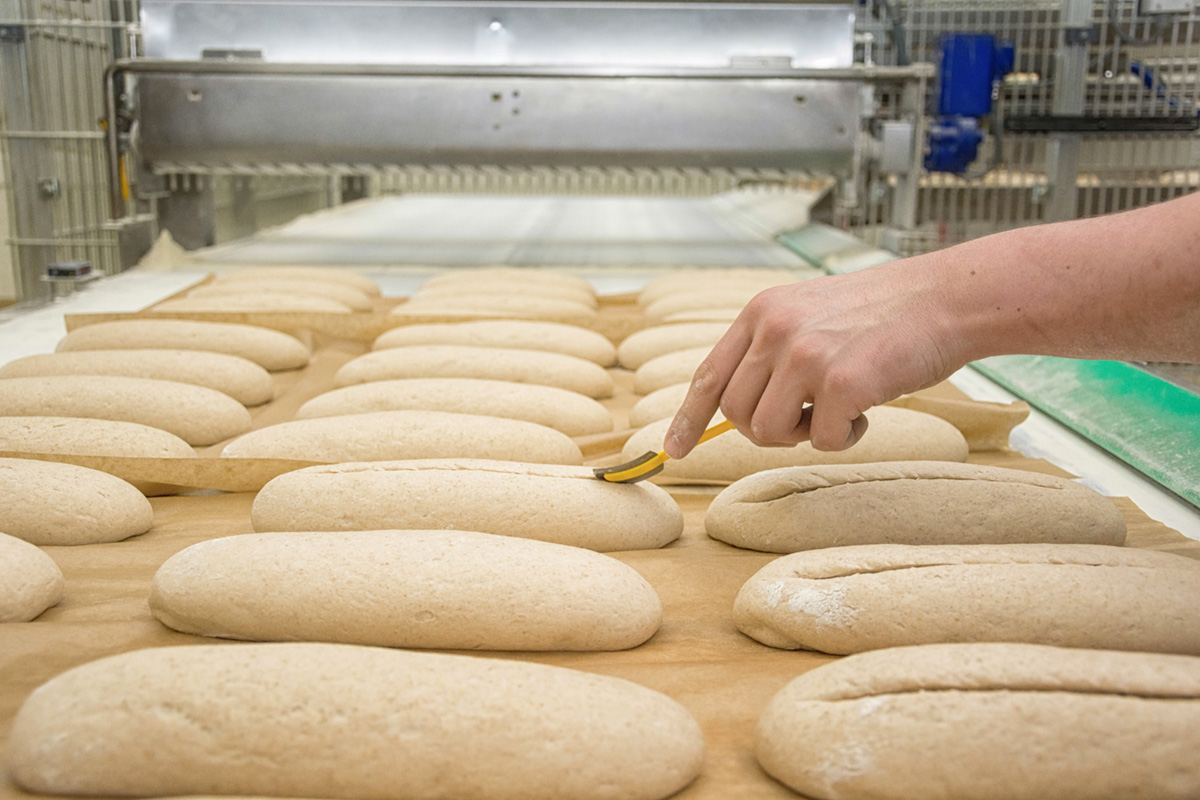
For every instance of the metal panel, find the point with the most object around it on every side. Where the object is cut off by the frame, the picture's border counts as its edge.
(514, 33)
(218, 119)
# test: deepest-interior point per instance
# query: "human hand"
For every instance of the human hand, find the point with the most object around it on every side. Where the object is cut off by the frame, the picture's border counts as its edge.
(803, 362)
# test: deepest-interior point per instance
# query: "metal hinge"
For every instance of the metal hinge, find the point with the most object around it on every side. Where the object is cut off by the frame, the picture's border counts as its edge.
(12, 33)
(1088, 34)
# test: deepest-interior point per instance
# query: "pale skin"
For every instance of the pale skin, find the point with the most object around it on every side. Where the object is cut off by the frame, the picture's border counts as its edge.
(803, 362)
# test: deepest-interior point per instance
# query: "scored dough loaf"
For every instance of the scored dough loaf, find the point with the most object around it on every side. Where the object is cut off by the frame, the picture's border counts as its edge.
(867, 597)
(908, 502)
(347, 295)
(659, 404)
(240, 378)
(569, 412)
(198, 415)
(490, 363)
(516, 334)
(505, 286)
(987, 722)
(342, 721)
(392, 435)
(563, 504)
(47, 503)
(30, 581)
(268, 348)
(649, 343)
(429, 589)
(668, 369)
(253, 301)
(687, 280)
(522, 275)
(512, 305)
(894, 434)
(289, 273)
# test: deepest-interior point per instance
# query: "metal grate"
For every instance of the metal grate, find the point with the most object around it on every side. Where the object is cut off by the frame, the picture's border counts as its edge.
(52, 58)
(1115, 171)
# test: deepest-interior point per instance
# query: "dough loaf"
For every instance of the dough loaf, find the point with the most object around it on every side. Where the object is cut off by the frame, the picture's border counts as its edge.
(668, 370)
(554, 337)
(47, 503)
(30, 581)
(569, 412)
(908, 502)
(850, 599)
(725, 314)
(687, 280)
(391, 435)
(350, 296)
(659, 404)
(341, 721)
(563, 504)
(440, 589)
(700, 299)
(512, 305)
(987, 721)
(894, 434)
(240, 378)
(270, 349)
(522, 275)
(197, 415)
(651, 343)
(335, 274)
(505, 286)
(89, 437)
(490, 363)
(254, 301)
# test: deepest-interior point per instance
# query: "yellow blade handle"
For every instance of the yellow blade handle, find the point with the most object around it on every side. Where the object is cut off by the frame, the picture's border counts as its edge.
(715, 430)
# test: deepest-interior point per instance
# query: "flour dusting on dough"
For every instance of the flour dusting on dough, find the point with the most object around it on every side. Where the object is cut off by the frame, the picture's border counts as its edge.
(824, 604)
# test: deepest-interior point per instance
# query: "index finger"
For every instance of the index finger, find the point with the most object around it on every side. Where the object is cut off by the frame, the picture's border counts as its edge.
(704, 395)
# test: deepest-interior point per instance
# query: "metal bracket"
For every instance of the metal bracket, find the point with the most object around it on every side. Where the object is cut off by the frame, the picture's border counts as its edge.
(1080, 37)
(12, 33)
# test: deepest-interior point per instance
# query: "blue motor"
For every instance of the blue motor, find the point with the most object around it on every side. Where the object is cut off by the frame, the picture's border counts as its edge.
(972, 65)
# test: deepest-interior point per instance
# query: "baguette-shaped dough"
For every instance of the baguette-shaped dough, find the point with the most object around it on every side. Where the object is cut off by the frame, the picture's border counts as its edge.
(490, 363)
(47, 503)
(554, 337)
(345, 294)
(506, 286)
(985, 722)
(30, 581)
(89, 437)
(198, 415)
(440, 589)
(894, 434)
(651, 343)
(341, 721)
(254, 301)
(569, 412)
(699, 299)
(521, 275)
(335, 274)
(659, 404)
(270, 349)
(725, 314)
(392, 435)
(512, 305)
(908, 502)
(560, 504)
(240, 378)
(668, 369)
(688, 280)
(850, 599)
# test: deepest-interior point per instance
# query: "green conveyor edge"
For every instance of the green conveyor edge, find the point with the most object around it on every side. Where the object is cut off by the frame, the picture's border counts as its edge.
(1149, 423)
